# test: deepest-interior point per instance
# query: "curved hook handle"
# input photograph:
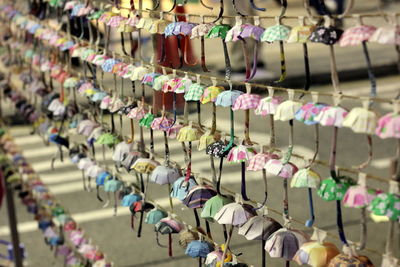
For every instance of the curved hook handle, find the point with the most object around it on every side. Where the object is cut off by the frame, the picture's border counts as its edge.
(173, 6)
(236, 9)
(221, 11)
(253, 5)
(157, 5)
(204, 5)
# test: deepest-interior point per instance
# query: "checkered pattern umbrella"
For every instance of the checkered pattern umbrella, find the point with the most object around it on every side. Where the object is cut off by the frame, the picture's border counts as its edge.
(246, 101)
(356, 35)
(276, 33)
(194, 92)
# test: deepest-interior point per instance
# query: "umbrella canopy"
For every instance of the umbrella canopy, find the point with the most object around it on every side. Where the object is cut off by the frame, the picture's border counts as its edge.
(331, 116)
(227, 98)
(387, 35)
(234, 214)
(326, 35)
(144, 165)
(161, 123)
(246, 101)
(241, 153)
(358, 196)
(332, 190)
(278, 168)
(147, 120)
(129, 159)
(258, 162)
(268, 105)
(194, 92)
(154, 216)
(201, 30)
(356, 35)
(128, 200)
(284, 243)
(112, 185)
(218, 31)
(344, 260)
(206, 139)
(120, 150)
(308, 112)
(300, 33)
(361, 120)
(287, 110)
(259, 228)
(199, 248)
(217, 149)
(149, 78)
(107, 139)
(276, 33)
(306, 178)
(160, 81)
(165, 175)
(386, 204)
(389, 126)
(198, 196)
(180, 189)
(316, 254)
(210, 94)
(168, 225)
(188, 134)
(214, 205)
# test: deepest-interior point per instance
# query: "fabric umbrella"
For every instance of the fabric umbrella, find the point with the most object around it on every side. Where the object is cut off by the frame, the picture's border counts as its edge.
(357, 35)
(200, 31)
(259, 228)
(363, 120)
(316, 254)
(334, 189)
(155, 215)
(169, 226)
(309, 179)
(359, 196)
(257, 163)
(278, 33)
(284, 243)
(241, 154)
(234, 214)
(300, 34)
(329, 35)
(214, 205)
(220, 31)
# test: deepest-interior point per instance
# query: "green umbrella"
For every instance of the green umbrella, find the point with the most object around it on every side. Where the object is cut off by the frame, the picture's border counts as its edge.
(147, 120)
(108, 139)
(221, 32)
(213, 205)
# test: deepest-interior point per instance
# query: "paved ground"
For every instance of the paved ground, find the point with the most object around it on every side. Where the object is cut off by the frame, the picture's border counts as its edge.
(113, 234)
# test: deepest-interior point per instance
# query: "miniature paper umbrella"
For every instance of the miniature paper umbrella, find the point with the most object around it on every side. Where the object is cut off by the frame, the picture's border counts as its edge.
(214, 205)
(279, 33)
(316, 254)
(220, 31)
(309, 179)
(284, 243)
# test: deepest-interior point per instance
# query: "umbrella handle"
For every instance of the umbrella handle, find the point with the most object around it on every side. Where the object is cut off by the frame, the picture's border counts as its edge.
(214, 172)
(334, 71)
(170, 245)
(310, 222)
(236, 9)
(264, 173)
(221, 10)
(196, 217)
(199, 116)
(208, 229)
(253, 5)
(140, 223)
(186, 52)
(283, 63)
(246, 58)
(123, 44)
(84, 180)
(307, 83)
(339, 221)
(243, 187)
(232, 118)
(203, 55)
(228, 240)
(363, 228)
(255, 59)
(155, 6)
(263, 254)
(285, 199)
(221, 162)
(98, 193)
(204, 5)
(332, 158)
(228, 67)
(316, 134)
(370, 154)
(371, 74)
